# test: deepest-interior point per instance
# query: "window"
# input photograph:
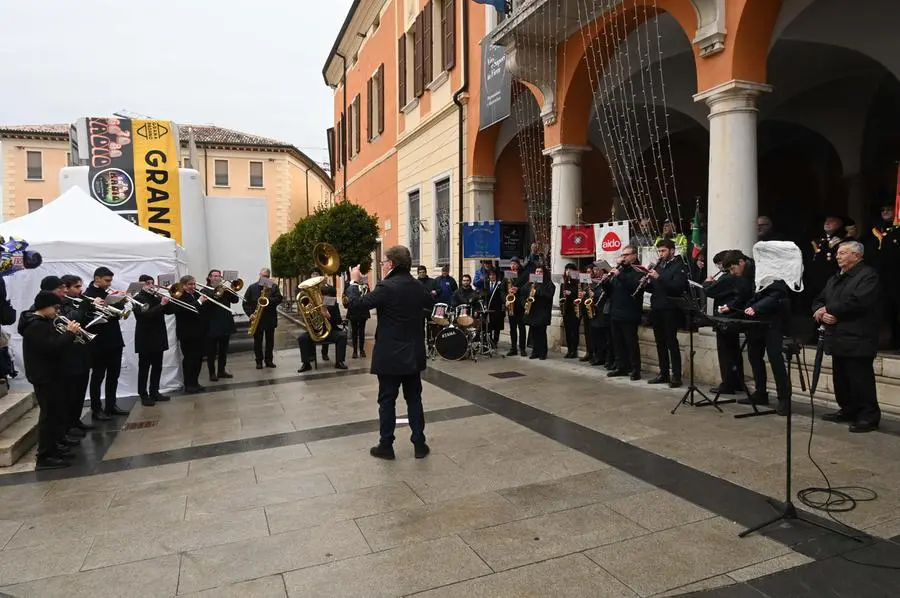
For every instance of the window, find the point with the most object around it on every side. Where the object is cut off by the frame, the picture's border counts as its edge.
(411, 73)
(414, 225)
(401, 71)
(35, 167)
(442, 222)
(427, 43)
(354, 125)
(375, 110)
(186, 162)
(68, 158)
(221, 173)
(35, 204)
(418, 55)
(343, 140)
(448, 31)
(256, 174)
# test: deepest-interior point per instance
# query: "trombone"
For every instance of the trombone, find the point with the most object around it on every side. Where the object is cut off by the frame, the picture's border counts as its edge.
(164, 292)
(227, 286)
(210, 296)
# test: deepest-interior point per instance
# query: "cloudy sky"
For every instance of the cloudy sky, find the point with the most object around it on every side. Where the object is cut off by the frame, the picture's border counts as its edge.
(254, 66)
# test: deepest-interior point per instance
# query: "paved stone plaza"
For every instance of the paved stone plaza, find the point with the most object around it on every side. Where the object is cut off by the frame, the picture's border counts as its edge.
(545, 479)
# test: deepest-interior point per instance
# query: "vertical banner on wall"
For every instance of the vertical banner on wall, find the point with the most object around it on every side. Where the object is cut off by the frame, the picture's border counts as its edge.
(156, 177)
(111, 165)
(611, 238)
(496, 86)
(481, 240)
(577, 241)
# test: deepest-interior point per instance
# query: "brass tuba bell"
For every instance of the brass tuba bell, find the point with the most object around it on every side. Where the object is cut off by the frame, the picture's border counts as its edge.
(326, 258)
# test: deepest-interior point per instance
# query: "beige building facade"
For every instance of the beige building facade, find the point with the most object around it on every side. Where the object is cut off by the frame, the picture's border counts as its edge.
(230, 163)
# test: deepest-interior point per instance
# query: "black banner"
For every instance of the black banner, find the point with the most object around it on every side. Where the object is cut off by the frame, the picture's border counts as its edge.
(496, 85)
(111, 165)
(512, 241)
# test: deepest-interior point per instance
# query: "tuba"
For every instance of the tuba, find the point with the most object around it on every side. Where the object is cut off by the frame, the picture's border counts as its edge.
(309, 293)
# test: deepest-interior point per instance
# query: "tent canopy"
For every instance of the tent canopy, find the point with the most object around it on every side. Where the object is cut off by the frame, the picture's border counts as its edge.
(76, 227)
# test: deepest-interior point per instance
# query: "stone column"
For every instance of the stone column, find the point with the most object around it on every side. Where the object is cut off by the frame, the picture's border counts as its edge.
(481, 189)
(733, 185)
(565, 198)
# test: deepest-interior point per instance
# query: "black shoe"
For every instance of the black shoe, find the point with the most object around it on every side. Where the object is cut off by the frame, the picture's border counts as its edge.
(755, 399)
(76, 433)
(635, 376)
(83, 426)
(721, 390)
(355, 355)
(783, 408)
(863, 427)
(340, 365)
(512, 353)
(609, 365)
(838, 417)
(324, 357)
(421, 451)
(616, 373)
(660, 379)
(304, 368)
(66, 456)
(675, 382)
(382, 452)
(362, 353)
(594, 362)
(587, 357)
(159, 398)
(270, 365)
(62, 449)
(192, 390)
(570, 356)
(533, 355)
(224, 375)
(44, 463)
(148, 402)
(213, 377)
(259, 365)
(99, 416)
(116, 411)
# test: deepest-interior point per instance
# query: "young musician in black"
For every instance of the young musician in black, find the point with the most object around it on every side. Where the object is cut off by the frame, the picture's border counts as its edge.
(599, 321)
(357, 318)
(76, 367)
(538, 315)
(329, 294)
(43, 351)
(106, 351)
(465, 294)
(626, 300)
(190, 328)
(667, 281)
(219, 326)
(151, 340)
(517, 332)
(568, 292)
(727, 290)
(495, 303)
(584, 321)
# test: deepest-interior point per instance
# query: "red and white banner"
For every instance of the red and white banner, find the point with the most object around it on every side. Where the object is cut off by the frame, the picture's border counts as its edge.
(611, 238)
(576, 241)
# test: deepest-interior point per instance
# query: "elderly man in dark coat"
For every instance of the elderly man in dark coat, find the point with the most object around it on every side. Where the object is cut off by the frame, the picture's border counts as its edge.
(398, 357)
(848, 310)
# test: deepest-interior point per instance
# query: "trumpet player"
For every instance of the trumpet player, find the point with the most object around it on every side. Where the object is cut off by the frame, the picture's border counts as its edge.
(517, 333)
(151, 340)
(538, 317)
(268, 318)
(76, 368)
(219, 326)
(582, 314)
(667, 281)
(106, 350)
(43, 350)
(626, 301)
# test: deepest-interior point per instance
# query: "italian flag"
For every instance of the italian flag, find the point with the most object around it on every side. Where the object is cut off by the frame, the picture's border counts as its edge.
(696, 239)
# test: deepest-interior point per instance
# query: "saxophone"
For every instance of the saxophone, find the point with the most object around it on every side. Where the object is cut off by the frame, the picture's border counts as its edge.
(577, 302)
(589, 304)
(530, 299)
(261, 304)
(510, 299)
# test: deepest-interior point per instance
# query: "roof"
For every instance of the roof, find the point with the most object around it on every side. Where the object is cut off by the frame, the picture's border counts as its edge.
(204, 135)
(360, 18)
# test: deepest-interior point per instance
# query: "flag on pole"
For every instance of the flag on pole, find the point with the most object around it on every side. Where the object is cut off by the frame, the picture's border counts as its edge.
(500, 5)
(696, 239)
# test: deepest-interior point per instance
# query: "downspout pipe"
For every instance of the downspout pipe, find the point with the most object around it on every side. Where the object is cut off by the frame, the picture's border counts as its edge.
(343, 160)
(461, 127)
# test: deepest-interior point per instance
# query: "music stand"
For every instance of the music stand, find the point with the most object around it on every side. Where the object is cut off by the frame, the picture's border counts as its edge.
(690, 308)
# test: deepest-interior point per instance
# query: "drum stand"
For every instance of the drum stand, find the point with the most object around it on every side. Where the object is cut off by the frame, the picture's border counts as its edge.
(483, 340)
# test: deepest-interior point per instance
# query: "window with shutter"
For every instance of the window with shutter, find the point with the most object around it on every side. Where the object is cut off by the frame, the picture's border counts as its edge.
(357, 125)
(401, 70)
(380, 99)
(448, 26)
(428, 44)
(350, 119)
(418, 72)
(343, 140)
(369, 111)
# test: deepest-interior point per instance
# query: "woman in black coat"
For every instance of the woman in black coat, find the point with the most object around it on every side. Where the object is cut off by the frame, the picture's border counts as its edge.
(219, 326)
(151, 340)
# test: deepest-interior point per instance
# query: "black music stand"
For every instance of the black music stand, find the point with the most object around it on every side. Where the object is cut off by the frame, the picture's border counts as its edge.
(691, 309)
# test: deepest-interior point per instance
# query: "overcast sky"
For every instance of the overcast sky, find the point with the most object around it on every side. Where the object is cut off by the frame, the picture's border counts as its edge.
(253, 66)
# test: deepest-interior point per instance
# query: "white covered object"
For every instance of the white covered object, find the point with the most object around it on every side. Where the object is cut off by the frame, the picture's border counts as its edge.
(76, 235)
(778, 260)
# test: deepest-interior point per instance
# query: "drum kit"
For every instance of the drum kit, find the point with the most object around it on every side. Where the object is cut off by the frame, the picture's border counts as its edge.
(461, 333)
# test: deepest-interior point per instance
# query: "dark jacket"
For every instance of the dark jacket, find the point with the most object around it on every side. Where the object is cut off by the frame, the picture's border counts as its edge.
(883, 254)
(190, 327)
(773, 305)
(218, 322)
(445, 287)
(495, 303)
(464, 297)
(150, 334)
(853, 298)
(601, 306)
(269, 317)
(520, 281)
(400, 301)
(542, 308)
(77, 356)
(334, 311)
(430, 284)
(620, 288)
(109, 335)
(671, 284)
(358, 313)
(43, 348)
(820, 263)
(568, 301)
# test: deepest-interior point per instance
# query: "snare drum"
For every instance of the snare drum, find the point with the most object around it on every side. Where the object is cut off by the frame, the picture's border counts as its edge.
(464, 316)
(452, 343)
(439, 314)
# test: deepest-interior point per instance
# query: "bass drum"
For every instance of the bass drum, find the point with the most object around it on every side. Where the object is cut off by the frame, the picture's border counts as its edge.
(452, 343)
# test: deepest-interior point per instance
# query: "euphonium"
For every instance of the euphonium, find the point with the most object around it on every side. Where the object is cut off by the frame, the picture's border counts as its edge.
(510, 299)
(261, 304)
(529, 301)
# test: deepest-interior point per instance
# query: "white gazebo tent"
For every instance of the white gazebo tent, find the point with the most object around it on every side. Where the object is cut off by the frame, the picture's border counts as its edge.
(75, 235)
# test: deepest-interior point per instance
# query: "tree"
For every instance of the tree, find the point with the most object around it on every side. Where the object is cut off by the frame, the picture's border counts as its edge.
(303, 238)
(283, 265)
(352, 231)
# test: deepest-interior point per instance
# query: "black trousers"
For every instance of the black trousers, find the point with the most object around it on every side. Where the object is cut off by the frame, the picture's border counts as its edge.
(358, 335)
(601, 342)
(768, 343)
(307, 347)
(269, 335)
(731, 364)
(75, 388)
(626, 346)
(106, 363)
(539, 340)
(665, 332)
(217, 354)
(854, 387)
(588, 336)
(517, 333)
(571, 324)
(891, 304)
(52, 418)
(388, 391)
(192, 351)
(149, 367)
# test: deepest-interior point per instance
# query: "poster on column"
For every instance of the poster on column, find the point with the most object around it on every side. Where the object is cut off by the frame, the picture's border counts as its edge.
(577, 241)
(611, 238)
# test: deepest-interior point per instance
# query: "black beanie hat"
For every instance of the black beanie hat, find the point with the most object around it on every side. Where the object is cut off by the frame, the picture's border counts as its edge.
(51, 283)
(46, 299)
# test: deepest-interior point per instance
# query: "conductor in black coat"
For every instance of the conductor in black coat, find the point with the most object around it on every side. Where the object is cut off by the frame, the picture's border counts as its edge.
(106, 350)
(268, 319)
(219, 326)
(538, 317)
(668, 281)
(848, 310)
(151, 340)
(626, 307)
(398, 357)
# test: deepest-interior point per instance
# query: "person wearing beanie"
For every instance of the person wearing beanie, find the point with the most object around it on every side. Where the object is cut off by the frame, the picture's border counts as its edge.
(43, 347)
(151, 341)
(54, 284)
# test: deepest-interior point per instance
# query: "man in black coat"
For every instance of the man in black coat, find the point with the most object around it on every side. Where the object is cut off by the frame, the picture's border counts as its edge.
(539, 316)
(568, 292)
(151, 340)
(76, 367)
(517, 332)
(329, 294)
(268, 318)
(494, 302)
(848, 310)
(626, 307)
(190, 329)
(106, 350)
(883, 254)
(668, 282)
(43, 348)
(398, 357)
(598, 325)
(358, 319)
(219, 326)
(732, 291)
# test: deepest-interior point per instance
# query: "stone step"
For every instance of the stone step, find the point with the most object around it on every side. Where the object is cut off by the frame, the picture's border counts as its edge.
(18, 439)
(13, 406)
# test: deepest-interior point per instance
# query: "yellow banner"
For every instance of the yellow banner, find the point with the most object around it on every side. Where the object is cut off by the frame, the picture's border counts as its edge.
(156, 177)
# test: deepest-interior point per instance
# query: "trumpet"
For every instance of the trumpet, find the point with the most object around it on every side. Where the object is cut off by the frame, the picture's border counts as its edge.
(81, 336)
(108, 311)
(529, 301)
(227, 286)
(163, 292)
